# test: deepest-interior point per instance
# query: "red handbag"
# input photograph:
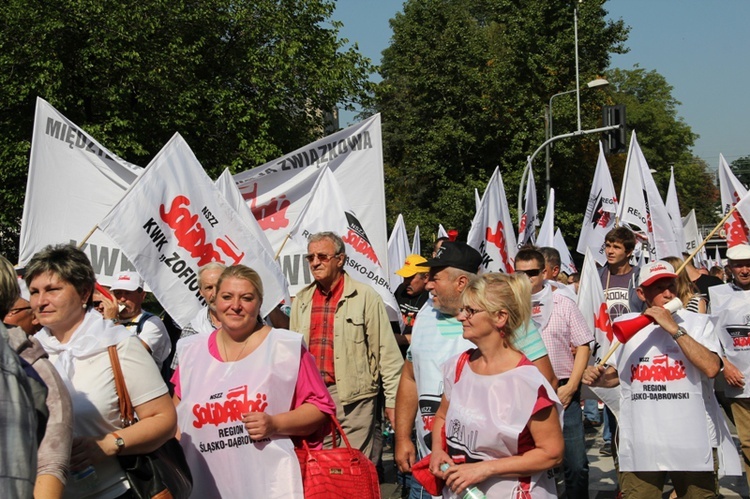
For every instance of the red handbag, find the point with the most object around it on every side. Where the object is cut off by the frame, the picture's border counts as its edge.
(338, 472)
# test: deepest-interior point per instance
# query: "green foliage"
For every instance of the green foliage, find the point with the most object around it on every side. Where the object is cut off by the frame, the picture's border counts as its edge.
(741, 169)
(243, 81)
(465, 88)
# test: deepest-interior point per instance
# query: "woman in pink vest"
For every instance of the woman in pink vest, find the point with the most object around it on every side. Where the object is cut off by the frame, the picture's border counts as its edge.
(242, 393)
(501, 418)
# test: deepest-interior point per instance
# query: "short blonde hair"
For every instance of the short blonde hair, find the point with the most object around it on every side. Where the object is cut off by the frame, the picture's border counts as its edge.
(497, 292)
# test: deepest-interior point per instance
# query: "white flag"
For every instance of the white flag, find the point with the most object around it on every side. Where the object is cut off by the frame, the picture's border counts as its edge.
(693, 237)
(327, 210)
(529, 219)
(732, 191)
(73, 182)
(442, 232)
(398, 250)
(491, 231)
(416, 246)
(477, 200)
(717, 258)
(172, 221)
(599, 218)
(593, 307)
(546, 237)
(567, 264)
(278, 190)
(673, 210)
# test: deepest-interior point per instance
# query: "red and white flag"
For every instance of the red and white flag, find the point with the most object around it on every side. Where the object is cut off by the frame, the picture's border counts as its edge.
(732, 191)
(567, 264)
(491, 230)
(600, 212)
(546, 237)
(529, 219)
(398, 250)
(673, 210)
(173, 220)
(593, 307)
(327, 210)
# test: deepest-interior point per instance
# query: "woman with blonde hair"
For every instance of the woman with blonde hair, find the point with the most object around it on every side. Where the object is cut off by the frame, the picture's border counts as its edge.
(501, 419)
(686, 291)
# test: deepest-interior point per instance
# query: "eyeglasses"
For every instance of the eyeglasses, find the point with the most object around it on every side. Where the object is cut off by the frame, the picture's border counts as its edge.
(15, 311)
(322, 257)
(469, 312)
(529, 272)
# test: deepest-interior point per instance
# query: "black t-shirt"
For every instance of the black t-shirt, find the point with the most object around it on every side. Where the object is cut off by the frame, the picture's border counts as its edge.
(409, 305)
(706, 281)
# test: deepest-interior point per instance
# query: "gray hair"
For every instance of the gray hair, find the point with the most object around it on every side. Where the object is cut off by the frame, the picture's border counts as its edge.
(68, 263)
(9, 290)
(210, 266)
(338, 243)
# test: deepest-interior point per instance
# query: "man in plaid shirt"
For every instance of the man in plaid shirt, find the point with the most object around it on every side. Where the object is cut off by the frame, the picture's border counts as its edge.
(563, 328)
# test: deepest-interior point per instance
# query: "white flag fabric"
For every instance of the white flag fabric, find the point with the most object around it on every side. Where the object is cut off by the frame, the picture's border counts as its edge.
(529, 219)
(398, 250)
(693, 237)
(491, 230)
(717, 257)
(673, 210)
(567, 264)
(599, 218)
(732, 191)
(477, 200)
(546, 237)
(172, 221)
(73, 182)
(594, 309)
(278, 190)
(416, 247)
(327, 210)
(442, 232)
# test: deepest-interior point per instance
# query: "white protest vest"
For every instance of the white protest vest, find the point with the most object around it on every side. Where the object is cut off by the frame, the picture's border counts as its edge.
(224, 460)
(435, 338)
(485, 418)
(731, 309)
(663, 421)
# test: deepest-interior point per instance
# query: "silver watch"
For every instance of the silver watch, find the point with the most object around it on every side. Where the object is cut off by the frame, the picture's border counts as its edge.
(679, 334)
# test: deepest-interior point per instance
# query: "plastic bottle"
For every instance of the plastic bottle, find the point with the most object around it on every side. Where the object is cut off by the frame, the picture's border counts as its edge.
(86, 480)
(471, 492)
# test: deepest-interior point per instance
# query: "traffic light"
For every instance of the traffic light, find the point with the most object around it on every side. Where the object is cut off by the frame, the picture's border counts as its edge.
(615, 141)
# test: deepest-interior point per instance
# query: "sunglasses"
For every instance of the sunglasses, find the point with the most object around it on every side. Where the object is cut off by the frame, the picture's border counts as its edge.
(529, 272)
(322, 257)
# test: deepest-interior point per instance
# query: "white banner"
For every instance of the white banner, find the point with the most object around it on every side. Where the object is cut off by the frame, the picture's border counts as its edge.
(327, 210)
(567, 264)
(546, 237)
(599, 218)
(529, 219)
(491, 230)
(398, 250)
(732, 191)
(673, 210)
(693, 238)
(416, 249)
(278, 190)
(73, 182)
(172, 221)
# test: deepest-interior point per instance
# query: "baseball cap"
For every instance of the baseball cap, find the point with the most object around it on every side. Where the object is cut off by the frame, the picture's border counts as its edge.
(739, 252)
(414, 264)
(127, 281)
(456, 254)
(654, 271)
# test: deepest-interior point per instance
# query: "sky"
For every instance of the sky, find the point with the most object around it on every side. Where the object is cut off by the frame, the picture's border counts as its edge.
(702, 48)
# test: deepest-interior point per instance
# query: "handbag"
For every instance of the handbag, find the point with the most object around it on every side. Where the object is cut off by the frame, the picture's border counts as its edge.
(338, 472)
(163, 473)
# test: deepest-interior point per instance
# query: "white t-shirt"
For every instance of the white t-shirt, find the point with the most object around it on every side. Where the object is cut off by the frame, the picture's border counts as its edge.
(96, 409)
(155, 335)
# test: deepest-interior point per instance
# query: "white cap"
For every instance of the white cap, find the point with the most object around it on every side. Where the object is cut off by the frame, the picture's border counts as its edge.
(739, 252)
(654, 271)
(127, 281)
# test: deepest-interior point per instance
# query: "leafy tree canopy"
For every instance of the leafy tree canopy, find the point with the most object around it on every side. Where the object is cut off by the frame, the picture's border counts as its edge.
(243, 81)
(741, 169)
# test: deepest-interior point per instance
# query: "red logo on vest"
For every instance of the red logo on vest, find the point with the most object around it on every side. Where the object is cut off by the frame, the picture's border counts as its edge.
(659, 370)
(231, 409)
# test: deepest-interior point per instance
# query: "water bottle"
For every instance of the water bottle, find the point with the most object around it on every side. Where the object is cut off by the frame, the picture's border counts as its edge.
(86, 479)
(471, 492)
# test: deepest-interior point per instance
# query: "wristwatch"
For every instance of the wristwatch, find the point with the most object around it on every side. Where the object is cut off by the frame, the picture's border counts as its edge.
(119, 442)
(679, 334)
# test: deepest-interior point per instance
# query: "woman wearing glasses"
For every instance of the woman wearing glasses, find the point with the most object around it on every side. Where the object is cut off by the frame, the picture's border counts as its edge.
(500, 416)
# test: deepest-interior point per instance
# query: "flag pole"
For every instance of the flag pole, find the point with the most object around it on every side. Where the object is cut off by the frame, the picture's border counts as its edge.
(283, 243)
(617, 344)
(91, 232)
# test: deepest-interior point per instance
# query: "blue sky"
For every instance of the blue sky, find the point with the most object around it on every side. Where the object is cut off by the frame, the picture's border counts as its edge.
(702, 48)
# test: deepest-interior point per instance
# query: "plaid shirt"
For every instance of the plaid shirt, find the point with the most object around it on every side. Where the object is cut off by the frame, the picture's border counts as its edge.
(566, 328)
(322, 313)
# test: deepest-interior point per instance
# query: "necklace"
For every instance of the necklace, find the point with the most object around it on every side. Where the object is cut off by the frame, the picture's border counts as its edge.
(224, 344)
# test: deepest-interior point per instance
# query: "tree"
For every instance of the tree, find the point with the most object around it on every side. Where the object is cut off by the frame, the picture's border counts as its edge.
(665, 138)
(741, 168)
(243, 81)
(465, 87)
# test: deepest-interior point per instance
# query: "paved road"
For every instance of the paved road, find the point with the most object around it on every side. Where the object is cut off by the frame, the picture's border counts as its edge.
(602, 477)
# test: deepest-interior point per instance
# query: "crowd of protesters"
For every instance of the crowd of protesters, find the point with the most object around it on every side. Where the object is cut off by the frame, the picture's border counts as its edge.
(482, 384)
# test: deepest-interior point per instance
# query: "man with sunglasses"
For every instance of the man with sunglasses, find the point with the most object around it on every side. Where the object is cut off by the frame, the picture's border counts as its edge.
(347, 331)
(437, 335)
(562, 326)
(730, 307)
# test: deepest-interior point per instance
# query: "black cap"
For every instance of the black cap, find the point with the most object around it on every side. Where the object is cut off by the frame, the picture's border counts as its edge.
(458, 255)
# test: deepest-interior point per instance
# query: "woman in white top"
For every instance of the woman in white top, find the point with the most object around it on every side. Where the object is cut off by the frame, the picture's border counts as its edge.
(500, 418)
(76, 337)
